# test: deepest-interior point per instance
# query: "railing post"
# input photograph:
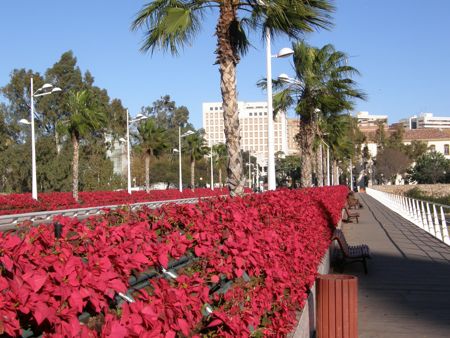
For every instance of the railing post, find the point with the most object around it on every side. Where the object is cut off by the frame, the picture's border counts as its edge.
(419, 215)
(408, 207)
(423, 217)
(416, 218)
(437, 225)
(430, 221)
(403, 205)
(445, 237)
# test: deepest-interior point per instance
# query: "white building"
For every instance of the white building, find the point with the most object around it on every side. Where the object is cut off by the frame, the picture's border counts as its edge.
(426, 120)
(367, 121)
(435, 139)
(253, 125)
(117, 153)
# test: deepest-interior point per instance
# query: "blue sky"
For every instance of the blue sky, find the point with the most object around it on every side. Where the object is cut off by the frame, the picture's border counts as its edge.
(401, 48)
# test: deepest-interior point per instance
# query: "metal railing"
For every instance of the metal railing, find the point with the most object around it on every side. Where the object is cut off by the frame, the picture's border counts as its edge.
(9, 222)
(428, 216)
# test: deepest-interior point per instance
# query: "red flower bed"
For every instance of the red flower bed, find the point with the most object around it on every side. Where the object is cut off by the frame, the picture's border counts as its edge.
(24, 203)
(249, 264)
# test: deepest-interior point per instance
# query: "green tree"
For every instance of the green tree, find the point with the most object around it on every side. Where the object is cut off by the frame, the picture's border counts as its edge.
(17, 92)
(380, 135)
(153, 142)
(171, 25)
(339, 133)
(323, 86)
(395, 139)
(117, 121)
(195, 146)
(66, 75)
(430, 168)
(220, 159)
(391, 161)
(6, 133)
(169, 116)
(415, 149)
(288, 170)
(84, 119)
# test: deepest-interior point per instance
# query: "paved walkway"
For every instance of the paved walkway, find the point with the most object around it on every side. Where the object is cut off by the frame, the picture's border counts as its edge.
(407, 290)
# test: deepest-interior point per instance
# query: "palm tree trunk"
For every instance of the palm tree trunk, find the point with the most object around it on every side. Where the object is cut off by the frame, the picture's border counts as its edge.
(147, 172)
(75, 159)
(227, 58)
(335, 173)
(319, 161)
(306, 138)
(220, 177)
(192, 173)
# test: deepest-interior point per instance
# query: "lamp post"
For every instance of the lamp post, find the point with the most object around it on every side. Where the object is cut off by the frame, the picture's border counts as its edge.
(46, 89)
(284, 52)
(212, 171)
(351, 174)
(249, 165)
(189, 132)
(328, 161)
(139, 117)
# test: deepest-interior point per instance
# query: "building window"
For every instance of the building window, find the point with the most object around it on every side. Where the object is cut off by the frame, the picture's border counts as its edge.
(432, 147)
(446, 149)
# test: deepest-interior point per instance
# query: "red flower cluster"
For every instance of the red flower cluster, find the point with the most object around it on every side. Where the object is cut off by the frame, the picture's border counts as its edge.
(247, 264)
(24, 203)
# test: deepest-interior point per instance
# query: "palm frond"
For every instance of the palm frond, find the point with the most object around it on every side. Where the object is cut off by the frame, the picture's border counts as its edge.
(169, 25)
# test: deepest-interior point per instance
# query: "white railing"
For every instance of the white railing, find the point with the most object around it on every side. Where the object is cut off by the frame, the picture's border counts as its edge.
(426, 215)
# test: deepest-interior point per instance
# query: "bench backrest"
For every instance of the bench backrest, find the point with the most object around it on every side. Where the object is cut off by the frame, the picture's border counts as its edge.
(339, 236)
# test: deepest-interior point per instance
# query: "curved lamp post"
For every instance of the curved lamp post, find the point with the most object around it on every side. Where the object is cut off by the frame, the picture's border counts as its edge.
(139, 117)
(211, 156)
(46, 89)
(284, 52)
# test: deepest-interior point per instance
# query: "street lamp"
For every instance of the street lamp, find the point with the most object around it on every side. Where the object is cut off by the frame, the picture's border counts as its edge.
(328, 161)
(328, 152)
(284, 52)
(46, 89)
(212, 169)
(139, 117)
(189, 132)
(249, 165)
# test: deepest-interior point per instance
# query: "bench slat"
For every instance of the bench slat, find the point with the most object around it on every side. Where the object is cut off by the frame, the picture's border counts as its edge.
(354, 253)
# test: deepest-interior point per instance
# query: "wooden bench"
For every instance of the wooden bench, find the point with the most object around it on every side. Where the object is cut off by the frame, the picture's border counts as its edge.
(358, 253)
(351, 215)
(354, 203)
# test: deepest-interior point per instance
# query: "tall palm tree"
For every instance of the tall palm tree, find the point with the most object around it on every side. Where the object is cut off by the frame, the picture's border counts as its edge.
(337, 131)
(170, 25)
(196, 148)
(85, 118)
(153, 141)
(323, 87)
(220, 159)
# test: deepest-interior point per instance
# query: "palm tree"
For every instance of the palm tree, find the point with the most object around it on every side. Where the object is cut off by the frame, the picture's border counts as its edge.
(170, 25)
(220, 158)
(84, 119)
(323, 87)
(196, 148)
(153, 141)
(337, 133)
